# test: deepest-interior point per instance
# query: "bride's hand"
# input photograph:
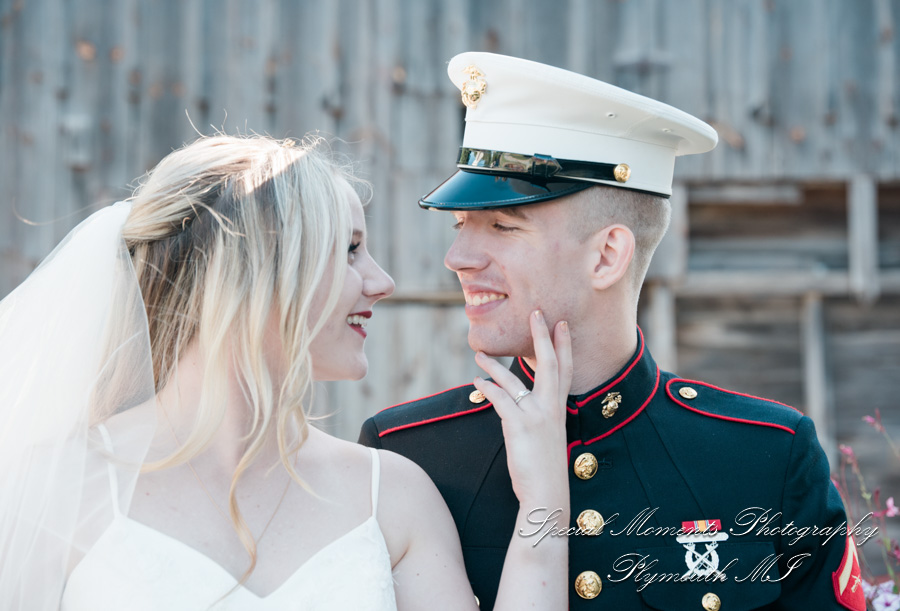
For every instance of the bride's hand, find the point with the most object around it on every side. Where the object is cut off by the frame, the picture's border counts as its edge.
(534, 426)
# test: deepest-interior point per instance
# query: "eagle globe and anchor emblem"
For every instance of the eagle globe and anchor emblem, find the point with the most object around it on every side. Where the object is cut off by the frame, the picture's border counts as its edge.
(702, 563)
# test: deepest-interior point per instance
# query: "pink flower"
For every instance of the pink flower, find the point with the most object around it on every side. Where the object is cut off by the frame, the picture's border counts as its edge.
(847, 451)
(875, 422)
(888, 512)
(895, 550)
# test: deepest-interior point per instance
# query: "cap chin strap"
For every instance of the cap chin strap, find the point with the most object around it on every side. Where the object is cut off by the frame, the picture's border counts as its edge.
(540, 166)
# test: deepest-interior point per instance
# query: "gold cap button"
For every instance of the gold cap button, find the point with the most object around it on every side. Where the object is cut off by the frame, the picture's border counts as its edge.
(590, 522)
(687, 392)
(622, 172)
(711, 602)
(477, 602)
(585, 466)
(476, 396)
(588, 585)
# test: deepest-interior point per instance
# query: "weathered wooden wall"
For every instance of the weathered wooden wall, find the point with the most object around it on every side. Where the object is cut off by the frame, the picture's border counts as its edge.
(781, 276)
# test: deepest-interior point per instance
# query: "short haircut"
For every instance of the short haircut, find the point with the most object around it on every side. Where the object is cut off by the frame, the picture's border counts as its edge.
(647, 216)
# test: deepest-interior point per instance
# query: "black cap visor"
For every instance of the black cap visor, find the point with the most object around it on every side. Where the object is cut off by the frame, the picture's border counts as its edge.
(468, 190)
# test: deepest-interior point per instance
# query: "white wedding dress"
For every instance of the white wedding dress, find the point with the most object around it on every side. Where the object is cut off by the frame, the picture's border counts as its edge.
(133, 567)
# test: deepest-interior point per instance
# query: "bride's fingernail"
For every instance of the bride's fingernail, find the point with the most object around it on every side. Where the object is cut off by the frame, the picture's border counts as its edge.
(539, 316)
(477, 379)
(564, 327)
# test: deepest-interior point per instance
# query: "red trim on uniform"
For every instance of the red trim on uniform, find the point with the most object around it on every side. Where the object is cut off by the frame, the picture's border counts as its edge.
(847, 580)
(731, 392)
(420, 398)
(438, 419)
(525, 368)
(636, 360)
(569, 449)
(632, 416)
(720, 417)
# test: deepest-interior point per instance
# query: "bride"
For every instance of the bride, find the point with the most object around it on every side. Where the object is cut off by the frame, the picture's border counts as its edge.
(155, 373)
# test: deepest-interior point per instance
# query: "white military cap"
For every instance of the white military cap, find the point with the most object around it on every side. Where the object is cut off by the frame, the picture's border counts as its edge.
(535, 132)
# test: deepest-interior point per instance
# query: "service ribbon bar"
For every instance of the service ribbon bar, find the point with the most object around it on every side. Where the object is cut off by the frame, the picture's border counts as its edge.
(702, 526)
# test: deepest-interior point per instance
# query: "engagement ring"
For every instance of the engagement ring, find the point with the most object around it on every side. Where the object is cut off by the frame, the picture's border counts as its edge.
(521, 395)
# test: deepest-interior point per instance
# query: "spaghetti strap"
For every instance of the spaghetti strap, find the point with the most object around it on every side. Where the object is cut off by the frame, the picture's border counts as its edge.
(376, 478)
(111, 470)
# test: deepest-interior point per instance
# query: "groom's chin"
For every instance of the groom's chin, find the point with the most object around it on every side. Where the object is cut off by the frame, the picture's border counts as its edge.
(496, 346)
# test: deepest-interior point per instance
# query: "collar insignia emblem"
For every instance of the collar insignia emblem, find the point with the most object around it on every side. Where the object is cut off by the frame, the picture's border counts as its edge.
(706, 563)
(611, 404)
(474, 88)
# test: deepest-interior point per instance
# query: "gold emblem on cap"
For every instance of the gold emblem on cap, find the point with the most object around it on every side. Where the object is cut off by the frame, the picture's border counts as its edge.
(590, 522)
(622, 172)
(611, 404)
(687, 392)
(588, 585)
(476, 396)
(474, 88)
(585, 466)
(711, 602)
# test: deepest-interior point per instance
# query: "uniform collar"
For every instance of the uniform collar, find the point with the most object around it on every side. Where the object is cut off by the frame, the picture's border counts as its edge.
(631, 389)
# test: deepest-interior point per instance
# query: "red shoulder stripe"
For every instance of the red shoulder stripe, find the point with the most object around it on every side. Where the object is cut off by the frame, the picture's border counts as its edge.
(425, 397)
(430, 420)
(719, 416)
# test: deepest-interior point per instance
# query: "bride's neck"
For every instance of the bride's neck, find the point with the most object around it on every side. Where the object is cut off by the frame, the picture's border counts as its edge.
(178, 403)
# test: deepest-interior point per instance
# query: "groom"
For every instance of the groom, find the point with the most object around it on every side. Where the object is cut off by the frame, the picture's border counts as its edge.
(685, 495)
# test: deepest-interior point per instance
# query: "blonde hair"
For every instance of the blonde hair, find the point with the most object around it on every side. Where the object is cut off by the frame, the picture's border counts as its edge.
(647, 216)
(221, 232)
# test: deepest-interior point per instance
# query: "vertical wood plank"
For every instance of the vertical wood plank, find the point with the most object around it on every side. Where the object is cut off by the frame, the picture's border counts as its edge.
(862, 234)
(11, 65)
(117, 163)
(42, 88)
(670, 260)
(659, 326)
(886, 81)
(815, 377)
(578, 44)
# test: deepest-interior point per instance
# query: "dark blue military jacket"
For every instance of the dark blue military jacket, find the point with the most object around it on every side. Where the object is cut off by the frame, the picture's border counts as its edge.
(660, 461)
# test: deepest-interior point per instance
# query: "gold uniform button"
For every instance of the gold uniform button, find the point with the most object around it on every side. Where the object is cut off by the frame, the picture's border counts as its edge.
(476, 396)
(711, 602)
(477, 602)
(590, 522)
(687, 392)
(588, 585)
(585, 466)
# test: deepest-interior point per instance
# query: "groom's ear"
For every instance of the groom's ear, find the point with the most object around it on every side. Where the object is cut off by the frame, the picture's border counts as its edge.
(609, 253)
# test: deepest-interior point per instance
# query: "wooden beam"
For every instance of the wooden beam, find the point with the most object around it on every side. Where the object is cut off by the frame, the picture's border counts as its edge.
(659, 325)
(670, 260)
(767, 194)
(763, 283)
(862, 237)
(815, 377)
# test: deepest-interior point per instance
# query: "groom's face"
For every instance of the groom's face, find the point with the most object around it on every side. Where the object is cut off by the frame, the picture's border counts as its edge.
(512, 261)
